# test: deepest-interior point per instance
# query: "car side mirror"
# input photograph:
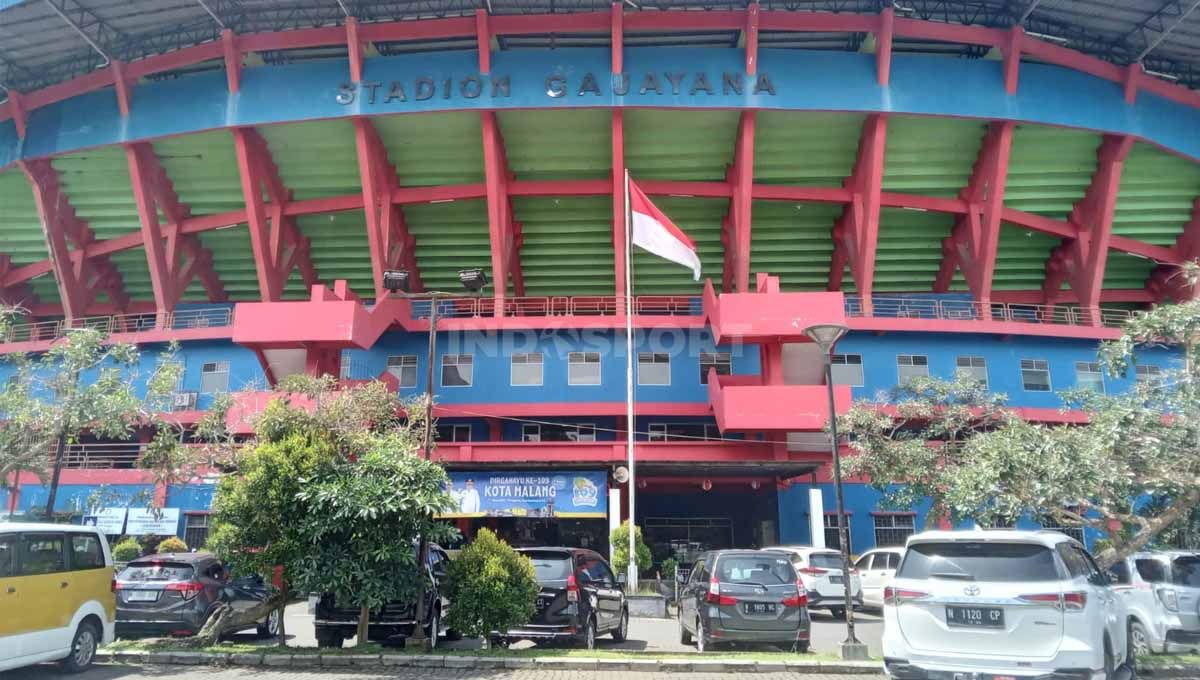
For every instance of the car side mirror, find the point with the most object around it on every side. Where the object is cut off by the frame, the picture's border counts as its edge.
(621, 578)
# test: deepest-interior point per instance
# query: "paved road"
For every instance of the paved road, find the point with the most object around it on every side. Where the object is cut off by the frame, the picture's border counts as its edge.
(188, 673)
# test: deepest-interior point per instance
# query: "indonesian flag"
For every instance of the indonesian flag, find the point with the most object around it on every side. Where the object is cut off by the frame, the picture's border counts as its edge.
(653, 231)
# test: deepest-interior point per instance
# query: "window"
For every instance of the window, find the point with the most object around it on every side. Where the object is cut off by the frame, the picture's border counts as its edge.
(404, 367)
(863, 563)
(555, 432)
(833, 538)
(893, 529)
(456, 370)
(654, 368)
(1149, 374)
(909, 366)
(531, 432)
(583, 368)
(1051, 524)
(717, 360)
(847, 369)
(585, 433)
(1088, 376)
(979, 561)
(195, 530)
(344, 365)
(1035, 375)
(454, 433)
(1151, 570)
(656, 432)
(1119, 574)
(667, 432)
(527, 369)
(42, 554)
(972, 369)
(214, 377)
(86, 552)
(8, 555)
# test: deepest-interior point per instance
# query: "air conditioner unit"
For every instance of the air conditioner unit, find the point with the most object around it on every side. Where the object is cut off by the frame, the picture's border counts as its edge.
(185, 401)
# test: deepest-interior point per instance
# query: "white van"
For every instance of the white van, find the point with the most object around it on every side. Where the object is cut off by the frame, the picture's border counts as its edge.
(56, 595)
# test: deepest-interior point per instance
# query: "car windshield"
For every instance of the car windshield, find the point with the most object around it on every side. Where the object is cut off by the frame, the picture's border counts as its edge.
(764, 570)
(826, 560)
(156, 571)
(1187, 571)
(980, 561)
(550, 566)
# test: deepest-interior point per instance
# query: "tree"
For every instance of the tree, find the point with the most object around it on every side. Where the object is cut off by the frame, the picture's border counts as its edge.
(492, 586)
(171, 544)
(619, 540)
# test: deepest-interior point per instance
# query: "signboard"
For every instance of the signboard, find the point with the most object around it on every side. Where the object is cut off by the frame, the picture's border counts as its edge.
(505, 493)
(142, 521)
(110, 521)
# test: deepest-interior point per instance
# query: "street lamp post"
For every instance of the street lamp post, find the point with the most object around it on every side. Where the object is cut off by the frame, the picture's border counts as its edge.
(824, 336)
(396, 282)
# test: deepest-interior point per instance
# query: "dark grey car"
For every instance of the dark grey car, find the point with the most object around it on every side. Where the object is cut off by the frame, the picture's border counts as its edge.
(174, 593)
(743, 596)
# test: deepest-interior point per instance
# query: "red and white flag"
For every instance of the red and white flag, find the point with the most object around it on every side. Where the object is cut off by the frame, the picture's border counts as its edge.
(653, 231)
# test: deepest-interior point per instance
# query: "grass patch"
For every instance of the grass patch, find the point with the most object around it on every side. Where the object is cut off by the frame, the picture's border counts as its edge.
(1169, 660)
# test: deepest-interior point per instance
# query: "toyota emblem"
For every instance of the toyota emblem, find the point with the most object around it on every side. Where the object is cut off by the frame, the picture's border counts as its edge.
(971, 590)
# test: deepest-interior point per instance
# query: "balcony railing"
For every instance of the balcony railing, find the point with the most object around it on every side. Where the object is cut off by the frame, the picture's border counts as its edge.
(971, 310)
(101, 456)
(203, 317)
(649, 305)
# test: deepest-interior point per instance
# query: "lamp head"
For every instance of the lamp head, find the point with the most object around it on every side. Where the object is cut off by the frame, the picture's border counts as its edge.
(473, 279)
(395, 280)
(825, 335)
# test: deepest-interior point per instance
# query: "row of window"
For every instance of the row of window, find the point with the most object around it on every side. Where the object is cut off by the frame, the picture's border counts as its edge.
(31, 554)
(894, 530)
(1035, 373)
(556, 432)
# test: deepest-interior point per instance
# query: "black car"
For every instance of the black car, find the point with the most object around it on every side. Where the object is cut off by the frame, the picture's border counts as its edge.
(579, 600)
(336, 622)
(174, 593)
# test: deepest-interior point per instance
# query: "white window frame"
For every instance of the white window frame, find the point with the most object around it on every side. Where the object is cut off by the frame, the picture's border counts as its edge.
(653, 359)
(715, 360)
(583, 359)
(891, 525)
(396, 363)
(656, 432)
(831, 524)
(531, 432)
(847, 360)
(1035, 365)
(455, 429)
(973, 361)
(1089, 368)
(526, 359)
(585, 432)
(218, 368)
(456, 360)
(1148, 373)
(344, 365)
(712, 432)
(910, 361)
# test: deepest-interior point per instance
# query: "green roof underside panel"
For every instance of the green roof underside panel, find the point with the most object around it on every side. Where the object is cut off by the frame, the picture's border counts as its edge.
(679, 145)
(1021, 259)
(1155, 200)
(1126, 271)
(558, 144)
(450, 236)
(204, 171)
(567, 245)
(909, 252)
(700, 219)
(433, 148)
(792, 241)
(316, 159)
(1049, 169)
(930, 156)
(340, 249)
(231, 250)
(21, 230)
(809, 149)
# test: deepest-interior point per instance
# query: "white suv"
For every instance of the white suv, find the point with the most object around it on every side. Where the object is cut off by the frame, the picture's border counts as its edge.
(972, 604)
(820, 570)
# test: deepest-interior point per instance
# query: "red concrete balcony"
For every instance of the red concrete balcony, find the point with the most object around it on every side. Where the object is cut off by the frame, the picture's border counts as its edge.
(743, 403)
(769, 315)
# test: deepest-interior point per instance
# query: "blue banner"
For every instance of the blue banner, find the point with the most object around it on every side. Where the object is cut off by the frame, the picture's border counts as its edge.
(507, 493)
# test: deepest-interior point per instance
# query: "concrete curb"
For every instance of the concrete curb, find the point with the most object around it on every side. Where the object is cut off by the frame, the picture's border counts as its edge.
(549, 663)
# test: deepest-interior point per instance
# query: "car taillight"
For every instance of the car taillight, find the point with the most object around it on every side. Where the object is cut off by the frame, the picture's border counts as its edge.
(1066, 601)
(813, 571)
(572, 589)
(898, 596)
(116, 585)
(1169, 598)
(800, 600)
(1074, 601)
(714, 594)
(186, 589)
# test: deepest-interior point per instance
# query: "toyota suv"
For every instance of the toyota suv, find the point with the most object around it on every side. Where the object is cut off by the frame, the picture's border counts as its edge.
(1003, 603)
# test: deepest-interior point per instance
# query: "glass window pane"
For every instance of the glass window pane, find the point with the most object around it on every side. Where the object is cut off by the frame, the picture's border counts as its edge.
(720, 361)
(86, 552)
(1088, 376)
(42, 554)
(972, 369)
(8, 555)
(909, 366)
(1035, 375)
(214, 377)
(583, 368)
(527, 369)
(847, 369)
(456, 370)
(654, 369)
(404, 367)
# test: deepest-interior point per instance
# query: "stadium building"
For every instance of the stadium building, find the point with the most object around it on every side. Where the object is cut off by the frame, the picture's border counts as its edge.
(988, 186)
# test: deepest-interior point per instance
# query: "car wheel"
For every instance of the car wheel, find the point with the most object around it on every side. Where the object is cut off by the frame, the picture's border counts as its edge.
(329, 638)
(838, 612)
(453, 635)
(701, 637)
(1110, 661)
(589, 634)
(685, 638)
(622, 630)
(269, 628)
(1139, 640)
(434, 628)
(83, 648)
(802, 647)
(1132, 654)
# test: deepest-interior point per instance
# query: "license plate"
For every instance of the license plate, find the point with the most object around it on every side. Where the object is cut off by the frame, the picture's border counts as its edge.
(141, 596)
(975, 617)
(759, 607)
(542, 603)
(835, 579)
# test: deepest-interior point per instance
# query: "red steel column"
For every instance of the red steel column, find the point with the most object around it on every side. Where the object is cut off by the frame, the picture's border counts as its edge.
(233, 60)
(742, 186)
(497, 200)
(483, 39)
(1166, 281)
(856, 232)
(391, 244)
(883, 45)
(618, 205)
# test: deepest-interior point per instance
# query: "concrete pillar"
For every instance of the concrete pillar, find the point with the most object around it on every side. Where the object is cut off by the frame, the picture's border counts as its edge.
(816, 517)
(614, 515)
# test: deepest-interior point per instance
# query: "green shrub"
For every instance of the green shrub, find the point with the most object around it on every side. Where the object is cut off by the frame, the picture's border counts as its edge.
(669, 566)
(172, 544)
(619, 540)
(492, 586)
(126, 550)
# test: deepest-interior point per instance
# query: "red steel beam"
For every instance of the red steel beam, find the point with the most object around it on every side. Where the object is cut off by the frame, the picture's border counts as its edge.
(483, 40)
(741, 186)
(354, 50)
(233, 59)
(617, 35)
(751, 32)
(392, 245)
(121, 85)
(14, 108)
(620, 248)
(973, 242)
(1012, 58)
(495, 170)
(856, 232)
(883, 45)
(1168, 281)
(278, 245)
(1081, 261)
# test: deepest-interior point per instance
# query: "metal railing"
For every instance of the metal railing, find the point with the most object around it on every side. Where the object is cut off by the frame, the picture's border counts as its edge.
(201, 317)
(599, 305)
(953, 309)
(101, 456)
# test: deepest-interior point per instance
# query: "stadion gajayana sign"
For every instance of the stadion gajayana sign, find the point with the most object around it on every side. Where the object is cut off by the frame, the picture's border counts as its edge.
(507, 493)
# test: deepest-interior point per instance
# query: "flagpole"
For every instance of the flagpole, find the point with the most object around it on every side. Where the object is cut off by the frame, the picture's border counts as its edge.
(629, 417)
